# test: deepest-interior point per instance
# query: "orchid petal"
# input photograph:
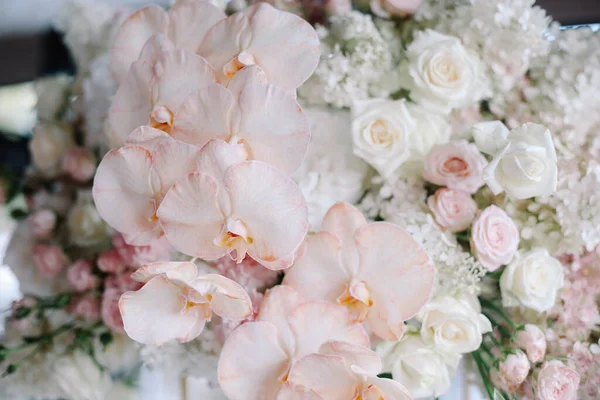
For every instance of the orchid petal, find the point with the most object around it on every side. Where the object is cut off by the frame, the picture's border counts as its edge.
(229, 299)
(388, 389)
(156, 314)
(191, 218)
(122, 191)
(353, 354)
(272, 207)
(277, 305)
(382, 327)
(154, 47)
(147, 137)
(181, 271)
(190, 21)
(247, 76)
(317, 271)
(252, 363)
(326, 375)
(133, 35)
(289, 391)
(171, 161)
(144, 238)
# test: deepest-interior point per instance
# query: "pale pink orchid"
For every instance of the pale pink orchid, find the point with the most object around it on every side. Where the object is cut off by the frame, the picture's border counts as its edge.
(257, 357)
(152, 92)
(376, 270)
(183, 27)
(236, 207)
(176, 301)
(341, 371)
(284, 45)
(264, 118)
(131, 182)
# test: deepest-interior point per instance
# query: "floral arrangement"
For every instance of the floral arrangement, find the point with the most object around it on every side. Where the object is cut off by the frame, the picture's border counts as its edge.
(317, 200)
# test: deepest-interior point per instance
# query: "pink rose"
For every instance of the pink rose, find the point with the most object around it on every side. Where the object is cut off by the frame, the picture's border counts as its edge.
(49, 260)
(81, 277)
(494, 238)
(453, 210)
(80, 164)
(111, 315)
(86, 307)
(458, 165)
(123, 282)
(337, 7)
(557, 381)
(42, 223)
(249, 273)
(511, 372)
(136, 256)
(533, 341)
(399, 8)
(110, 261)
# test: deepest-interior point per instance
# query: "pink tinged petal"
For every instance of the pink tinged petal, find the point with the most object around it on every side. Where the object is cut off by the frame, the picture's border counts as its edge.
(154, 47)
(178, 74)
(364, 358)
(147, 137)
(252, 365)
(277, 305)
(382, 327)
(178, 272)
(315, 323)
(343, 220)
(228, 299)
(171, 161)
(317, 272)
(289, 391)
(388, 389)
(396, 269)
(122, 191)
(271, 206)
(326, 375)
(247, 76)
(131, 105)
(133, 35)
(157, 313)
(273, 126)
(144, 238)
(205, 115)
(191, 218)
(190, 20)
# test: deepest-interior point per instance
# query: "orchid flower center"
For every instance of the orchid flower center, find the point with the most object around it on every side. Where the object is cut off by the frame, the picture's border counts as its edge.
(197, 301)
(357, 298)
(237, 63)
(235, 235)
(161, 118)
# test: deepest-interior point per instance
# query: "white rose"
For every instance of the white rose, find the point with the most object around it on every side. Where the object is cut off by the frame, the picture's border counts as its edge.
(441, 74)
(80, 378)
(48, 145)
(52, 94)
(424, 371)
(86, 227)
(526, 164)
(454, 324)
(388, 134)
(532, 280)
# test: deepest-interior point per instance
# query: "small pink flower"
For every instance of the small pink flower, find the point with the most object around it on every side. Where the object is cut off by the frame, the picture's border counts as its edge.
(249, 274)
(337, 7)
(557, 381)
(81, 277)
(511, 373)
(458, 165)
(110, 310)
(110, 261)
(136, 256)
(400, 8)
(80, 164)
(533, 341)
(86, 307)
(42, 223)
(122, 281)
(494, 238)
(50, 260)
(453, 210)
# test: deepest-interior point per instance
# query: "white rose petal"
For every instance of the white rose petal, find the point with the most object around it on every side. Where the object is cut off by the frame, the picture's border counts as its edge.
(490, 136)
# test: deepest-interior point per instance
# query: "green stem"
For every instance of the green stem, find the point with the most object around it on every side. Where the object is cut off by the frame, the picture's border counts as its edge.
(482, 371)
(485, 348)
(494, 340)
(491, 306)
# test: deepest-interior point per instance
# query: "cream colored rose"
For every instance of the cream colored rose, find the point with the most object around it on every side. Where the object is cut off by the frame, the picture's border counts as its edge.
(525, 166)
(86, 227)
(441, 74)
(391, 8)
(453, 324)
(388, 134)
(532, 280)
(49, 143)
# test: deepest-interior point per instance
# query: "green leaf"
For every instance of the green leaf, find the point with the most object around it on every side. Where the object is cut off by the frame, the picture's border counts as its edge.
(11, 369)
(22, 312)
(106, 338)
(19, 214)
(385, 375)
(62, 300)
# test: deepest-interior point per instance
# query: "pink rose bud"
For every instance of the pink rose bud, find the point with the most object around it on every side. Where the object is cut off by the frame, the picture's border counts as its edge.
(86, 307)
(494, 238)
(110, 261)
(556, 381)
(533, 341)
(136, 256)
(452, 209)
(80, 164)
(81, 277)
(111, 315)
(511, 372)
(337, 7)
(49, 260)
(457, 165)
(123, 282)
(42, 223)
(399, 8)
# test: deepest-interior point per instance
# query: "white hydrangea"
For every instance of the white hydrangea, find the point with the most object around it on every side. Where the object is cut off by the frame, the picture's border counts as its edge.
(330, 172)
(34, 380)
(358, 61)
